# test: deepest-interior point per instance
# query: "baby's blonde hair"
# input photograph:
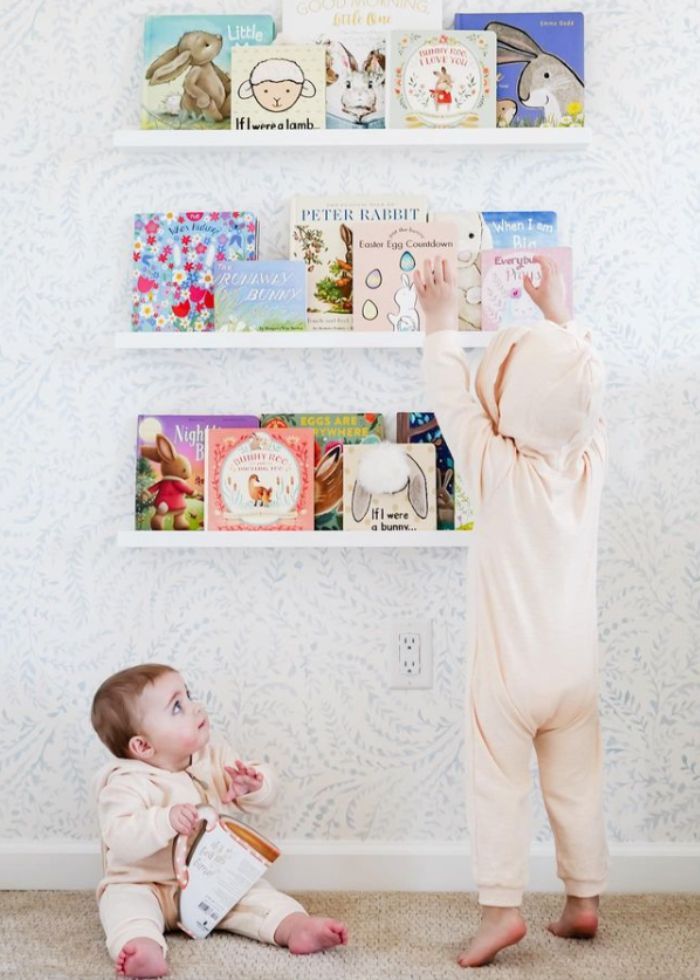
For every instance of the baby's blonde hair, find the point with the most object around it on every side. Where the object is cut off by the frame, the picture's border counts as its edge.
(113, 716)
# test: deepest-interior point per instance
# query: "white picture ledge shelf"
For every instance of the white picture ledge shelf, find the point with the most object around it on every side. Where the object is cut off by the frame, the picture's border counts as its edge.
(294, 539)
(534, 138)
(285, 340)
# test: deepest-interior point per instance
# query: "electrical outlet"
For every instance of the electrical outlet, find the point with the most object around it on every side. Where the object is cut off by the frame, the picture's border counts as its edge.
(411, 655)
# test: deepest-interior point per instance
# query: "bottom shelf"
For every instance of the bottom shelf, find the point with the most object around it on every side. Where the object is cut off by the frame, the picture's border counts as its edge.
(294, 539)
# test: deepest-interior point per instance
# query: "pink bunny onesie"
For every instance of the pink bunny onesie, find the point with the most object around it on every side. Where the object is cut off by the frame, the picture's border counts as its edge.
(529, 443)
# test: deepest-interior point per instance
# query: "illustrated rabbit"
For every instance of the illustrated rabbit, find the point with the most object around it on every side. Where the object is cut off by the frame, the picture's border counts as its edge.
(407, 319)
(388, 468)
(546, 82)
(206, 88)
(328, 481)
(363, 89)
(473, 236)
(171, 491)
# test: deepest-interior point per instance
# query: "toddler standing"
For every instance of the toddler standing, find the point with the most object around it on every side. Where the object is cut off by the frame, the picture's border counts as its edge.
(165, 766)
(527, 438)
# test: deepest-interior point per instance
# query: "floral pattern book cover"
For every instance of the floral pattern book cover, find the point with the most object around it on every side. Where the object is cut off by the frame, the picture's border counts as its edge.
(174, 254)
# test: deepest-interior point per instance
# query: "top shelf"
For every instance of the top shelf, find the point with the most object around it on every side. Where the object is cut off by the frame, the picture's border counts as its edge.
(531, 138)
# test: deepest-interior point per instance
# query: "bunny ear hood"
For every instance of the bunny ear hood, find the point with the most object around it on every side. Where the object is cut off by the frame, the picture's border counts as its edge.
(542, 387)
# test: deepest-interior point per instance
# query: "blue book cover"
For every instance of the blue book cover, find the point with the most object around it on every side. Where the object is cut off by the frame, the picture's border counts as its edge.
(539, 58)
(174, 254)
(187, 67)
(267, 295)
(521, 229)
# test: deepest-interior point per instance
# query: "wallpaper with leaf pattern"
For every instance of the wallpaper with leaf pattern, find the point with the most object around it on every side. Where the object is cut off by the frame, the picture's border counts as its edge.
(289, 650)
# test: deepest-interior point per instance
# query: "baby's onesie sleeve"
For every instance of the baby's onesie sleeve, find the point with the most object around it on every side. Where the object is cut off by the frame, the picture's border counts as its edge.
(261, 799)
(480, 455)
(599, 443)
(131, 828)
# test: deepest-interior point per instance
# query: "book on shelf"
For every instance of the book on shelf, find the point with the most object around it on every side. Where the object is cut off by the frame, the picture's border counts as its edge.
(397, 494)
(174, 254)
(187, 62)
(259, 480)
(442, 79)
(385, 257)
(216, 870)
(504, 300)
(540, 62)
(355, 80)
(170, 468)
(476, 231)
(269, 295)
(332, 432)
(454, 511)
(321, 236)
(303, 19)
(282, 86)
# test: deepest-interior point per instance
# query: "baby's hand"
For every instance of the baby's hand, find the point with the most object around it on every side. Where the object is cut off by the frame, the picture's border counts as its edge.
(244, 780)
(550, 295)
(184, 817)
(438, 296)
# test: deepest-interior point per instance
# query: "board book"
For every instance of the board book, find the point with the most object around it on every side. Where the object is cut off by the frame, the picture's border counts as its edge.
(540, 62)
(505, 301)
(410, 508)
(385, 257)
(259, 480)
(441, 79)
(263, 295)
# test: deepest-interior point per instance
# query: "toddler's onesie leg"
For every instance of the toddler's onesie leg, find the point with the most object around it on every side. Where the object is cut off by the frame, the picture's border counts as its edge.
(500, 748)
(259, 912)
(571, 774)
(130, 912)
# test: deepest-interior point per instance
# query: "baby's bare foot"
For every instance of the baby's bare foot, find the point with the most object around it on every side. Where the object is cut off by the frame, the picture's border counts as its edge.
(141, 958)
(303, 934)
(499, 928)
(579, 920)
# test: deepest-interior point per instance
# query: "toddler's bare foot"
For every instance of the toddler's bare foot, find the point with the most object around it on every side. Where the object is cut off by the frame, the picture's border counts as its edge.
(141, 958)
(303, 934)
(579, 920)
(499, 928)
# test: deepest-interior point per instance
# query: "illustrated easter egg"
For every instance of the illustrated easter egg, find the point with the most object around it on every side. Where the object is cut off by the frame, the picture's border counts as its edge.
(374, 279)
(369, 310)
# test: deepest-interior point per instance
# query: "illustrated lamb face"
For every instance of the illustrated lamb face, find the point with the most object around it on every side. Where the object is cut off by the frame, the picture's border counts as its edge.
(276, 85)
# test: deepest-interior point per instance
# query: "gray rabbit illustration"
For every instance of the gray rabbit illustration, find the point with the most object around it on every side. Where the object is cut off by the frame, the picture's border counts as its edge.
(206, 89)
(546, 82)
(416, 483)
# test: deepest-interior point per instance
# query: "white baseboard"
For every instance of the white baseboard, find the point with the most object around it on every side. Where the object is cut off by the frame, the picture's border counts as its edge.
(367, 866)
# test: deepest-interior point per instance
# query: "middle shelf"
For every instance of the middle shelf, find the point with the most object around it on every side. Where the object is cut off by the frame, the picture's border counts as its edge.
(285, 340)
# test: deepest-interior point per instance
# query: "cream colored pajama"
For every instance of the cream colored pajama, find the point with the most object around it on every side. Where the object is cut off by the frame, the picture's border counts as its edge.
(146, 911)
(527, 438)
(138, 893)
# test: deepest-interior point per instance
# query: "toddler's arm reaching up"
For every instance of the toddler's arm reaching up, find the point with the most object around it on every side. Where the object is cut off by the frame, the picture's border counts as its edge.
(480, 455)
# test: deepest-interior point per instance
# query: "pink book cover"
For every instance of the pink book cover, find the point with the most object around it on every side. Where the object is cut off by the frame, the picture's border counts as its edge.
(504, 300)
(259, 480)
(384, 257)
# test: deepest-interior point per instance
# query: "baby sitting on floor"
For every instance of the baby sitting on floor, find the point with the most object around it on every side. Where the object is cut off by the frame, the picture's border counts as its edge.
(165, 766)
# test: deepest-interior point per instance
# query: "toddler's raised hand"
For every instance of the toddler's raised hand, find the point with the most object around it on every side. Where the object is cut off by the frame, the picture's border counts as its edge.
(550, 294)
(244, 780)
(438, 295)
(184, 817)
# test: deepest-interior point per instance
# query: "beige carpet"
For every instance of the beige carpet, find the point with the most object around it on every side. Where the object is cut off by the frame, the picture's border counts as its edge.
(50, 935)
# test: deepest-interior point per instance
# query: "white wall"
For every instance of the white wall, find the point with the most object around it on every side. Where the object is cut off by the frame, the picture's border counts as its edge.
(288, 649)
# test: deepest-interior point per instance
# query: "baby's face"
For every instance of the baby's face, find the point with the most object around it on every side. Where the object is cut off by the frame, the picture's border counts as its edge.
(175, 726)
